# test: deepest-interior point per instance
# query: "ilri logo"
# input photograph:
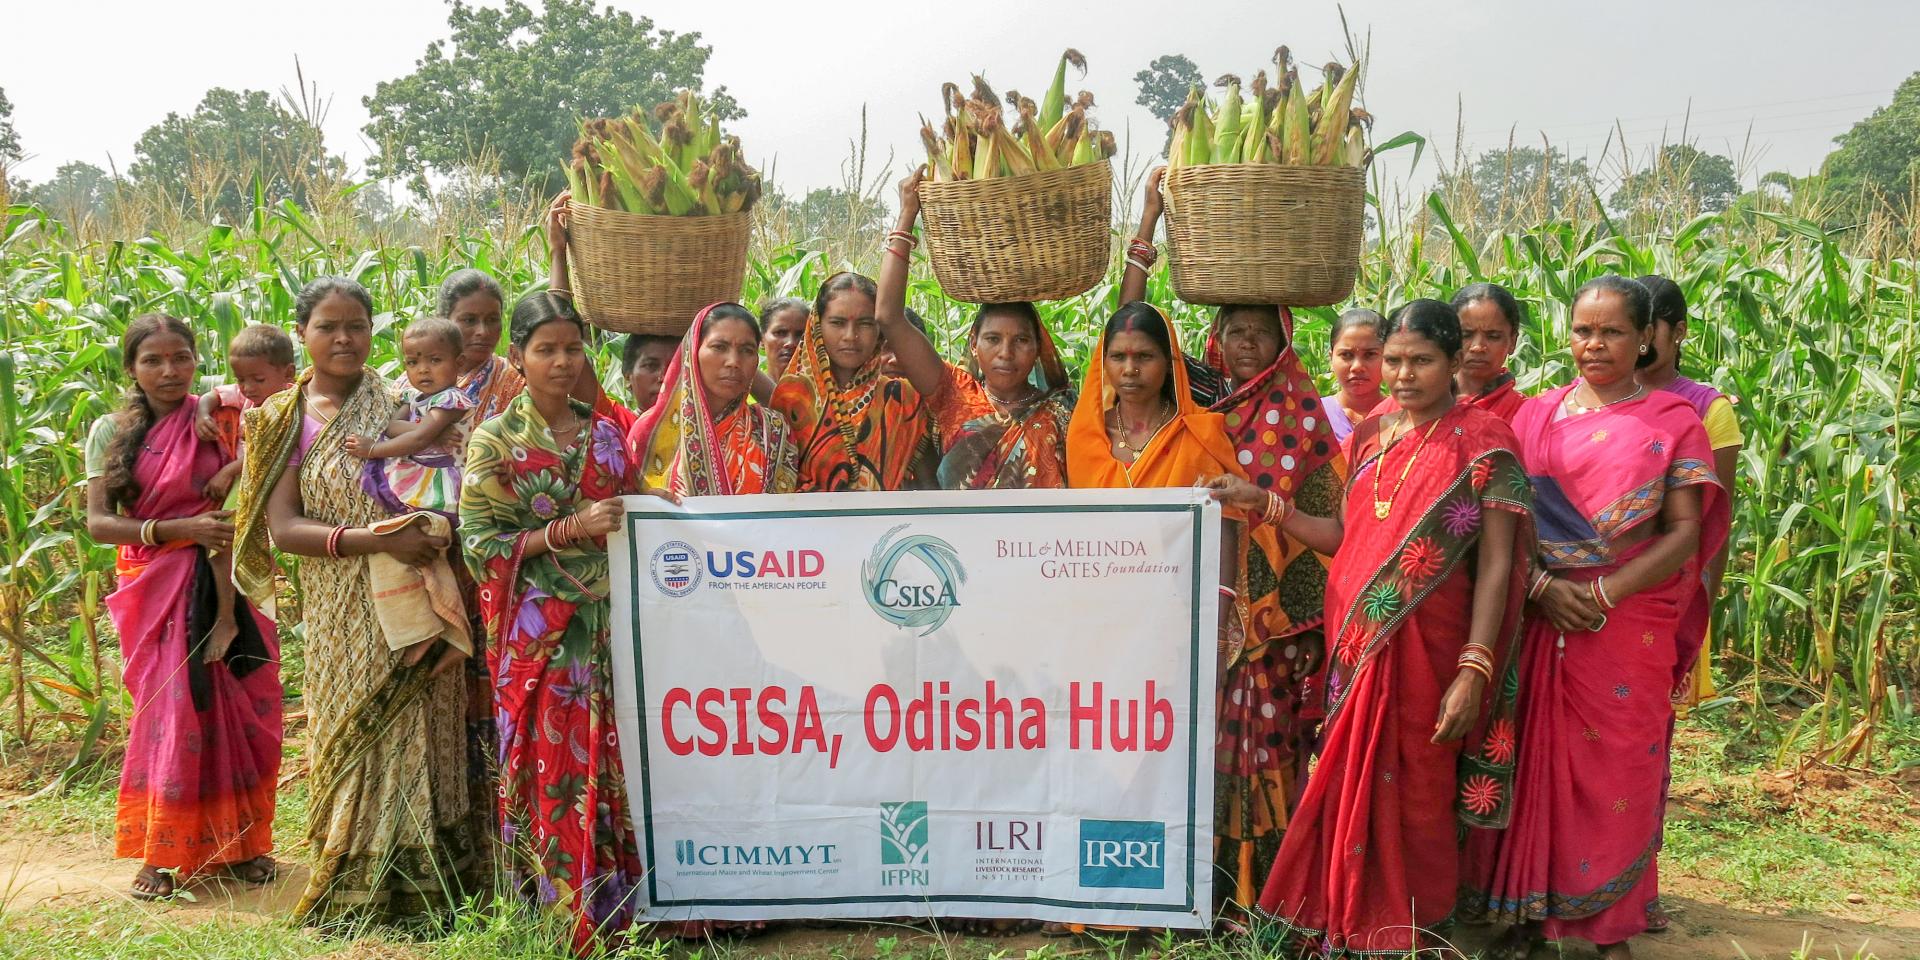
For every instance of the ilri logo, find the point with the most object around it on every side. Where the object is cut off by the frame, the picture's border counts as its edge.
(903, 844)
(1123, 853)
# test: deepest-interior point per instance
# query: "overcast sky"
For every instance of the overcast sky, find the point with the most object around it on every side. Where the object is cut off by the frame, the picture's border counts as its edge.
(1769, 82)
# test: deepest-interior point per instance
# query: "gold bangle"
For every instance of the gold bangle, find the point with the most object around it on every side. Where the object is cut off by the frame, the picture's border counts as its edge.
(148, 531)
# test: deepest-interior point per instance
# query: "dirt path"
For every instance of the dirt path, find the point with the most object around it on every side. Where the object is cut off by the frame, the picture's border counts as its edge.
(78, 869)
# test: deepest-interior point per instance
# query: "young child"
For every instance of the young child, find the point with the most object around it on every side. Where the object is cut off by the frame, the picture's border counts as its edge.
(417, 465)
(260, 359)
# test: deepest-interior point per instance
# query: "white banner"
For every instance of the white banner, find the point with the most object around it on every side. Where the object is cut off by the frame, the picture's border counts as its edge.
(981, 704)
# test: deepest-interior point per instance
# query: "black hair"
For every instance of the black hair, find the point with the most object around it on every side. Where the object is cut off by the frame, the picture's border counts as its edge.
(778, 305)
(635, 345)
(728, 311)
(435, 328)
(839, 282)
(1436, 320)
(1668, 304)
(262, 341)
(913, 316)
(1636, 299)
(1023, 309)
(136, 411)
(463, 283)
(536, 310)
(1475, 292)
(1265, 310)
(1140, 317)
(1358, 317)
(319, 289)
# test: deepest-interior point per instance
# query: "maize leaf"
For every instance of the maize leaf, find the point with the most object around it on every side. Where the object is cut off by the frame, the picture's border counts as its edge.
(1054, 104)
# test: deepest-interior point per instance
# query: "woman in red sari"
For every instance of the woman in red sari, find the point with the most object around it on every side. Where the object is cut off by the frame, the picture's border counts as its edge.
(857, 428)
(703, 438)
(1630, 513)
(202, 665)
(543, 482)
(1423, 598)
(1489, 329)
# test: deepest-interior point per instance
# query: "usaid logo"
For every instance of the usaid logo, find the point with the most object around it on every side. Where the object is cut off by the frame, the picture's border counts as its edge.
(912, 582)
(676, 568)
(1123, 853)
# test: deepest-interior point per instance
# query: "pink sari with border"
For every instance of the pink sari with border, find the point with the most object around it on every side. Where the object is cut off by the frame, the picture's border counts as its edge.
(1596, 714)
(203, 744)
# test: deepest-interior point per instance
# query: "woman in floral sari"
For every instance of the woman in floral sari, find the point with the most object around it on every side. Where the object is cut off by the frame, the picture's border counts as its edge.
(857, 428)
(543, 483)
(473, 301)
(203, 744)
(1001, 424)
(389, 825)
(703, 438)
(1424, 595)
(1629, 513)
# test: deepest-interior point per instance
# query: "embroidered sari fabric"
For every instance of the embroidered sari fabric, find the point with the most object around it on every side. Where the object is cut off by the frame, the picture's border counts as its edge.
(564, 809)
(491, 386)
(872, 433)
(1192, 447)
(1267, 715)
(681, 446)
(984, 449)
(203, 742)
(1580, 856)
(1702, 397)
(390, 828)
(1372, 855)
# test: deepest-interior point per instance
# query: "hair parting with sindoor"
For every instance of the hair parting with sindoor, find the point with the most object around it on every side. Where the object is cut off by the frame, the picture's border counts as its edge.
(1435, 320)
(1141, 317)
(1634, 298)
(136, 410)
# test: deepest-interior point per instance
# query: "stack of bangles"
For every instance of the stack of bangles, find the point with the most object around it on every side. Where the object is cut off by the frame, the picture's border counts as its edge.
(1277, 511)
(1478, 658)
(1539, 585)
(1597, 587)
(333, 540)
(902, 235)
(562, 533)
(150, 533)
(1142, 255)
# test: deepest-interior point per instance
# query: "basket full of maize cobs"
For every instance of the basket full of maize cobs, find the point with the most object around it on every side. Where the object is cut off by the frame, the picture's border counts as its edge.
(1265, 194)
(659, 217)
(1020, 210)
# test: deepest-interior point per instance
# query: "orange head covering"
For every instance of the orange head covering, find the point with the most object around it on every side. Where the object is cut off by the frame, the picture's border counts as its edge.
(1192, 447)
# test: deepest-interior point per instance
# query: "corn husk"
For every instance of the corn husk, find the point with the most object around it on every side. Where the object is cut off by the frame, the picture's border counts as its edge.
(978, 139)
(672, 161)
(1282, 122)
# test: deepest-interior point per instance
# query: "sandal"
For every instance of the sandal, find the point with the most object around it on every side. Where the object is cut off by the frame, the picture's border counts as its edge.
(152, 884)
(258, 872)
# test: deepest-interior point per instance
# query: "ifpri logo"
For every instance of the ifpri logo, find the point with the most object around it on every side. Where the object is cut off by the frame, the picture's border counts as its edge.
(1123, 853)
(676, 568)
(912, 583)
(903, 844)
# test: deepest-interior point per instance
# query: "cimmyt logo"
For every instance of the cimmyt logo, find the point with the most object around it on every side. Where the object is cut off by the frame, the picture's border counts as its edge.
(676, 568)
(919, 595)
(1123, 853)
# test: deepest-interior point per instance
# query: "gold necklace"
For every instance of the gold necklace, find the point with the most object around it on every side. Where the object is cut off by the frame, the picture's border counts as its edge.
(1381, 508)
(1578, 408)
(1120, 433)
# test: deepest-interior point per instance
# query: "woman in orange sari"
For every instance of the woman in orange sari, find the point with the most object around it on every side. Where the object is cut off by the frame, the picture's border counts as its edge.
(702, 438)
(856, 427)
(1429, 555)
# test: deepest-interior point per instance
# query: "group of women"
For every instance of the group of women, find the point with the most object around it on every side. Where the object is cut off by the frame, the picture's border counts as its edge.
(1469, 605)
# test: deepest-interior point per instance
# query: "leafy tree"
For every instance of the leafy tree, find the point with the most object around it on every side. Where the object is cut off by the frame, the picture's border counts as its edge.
(1506, 182)
(213, 155)
(1881, 154)
(77, 191)
(512, 84)
(1706, 178)
(9, 140)
(1164, 85)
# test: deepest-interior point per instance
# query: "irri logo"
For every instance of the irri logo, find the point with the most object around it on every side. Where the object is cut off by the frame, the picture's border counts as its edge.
(913, 583)
(1123, 853)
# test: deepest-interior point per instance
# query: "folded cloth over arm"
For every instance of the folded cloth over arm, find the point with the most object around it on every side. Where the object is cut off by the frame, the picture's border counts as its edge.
(416, 604)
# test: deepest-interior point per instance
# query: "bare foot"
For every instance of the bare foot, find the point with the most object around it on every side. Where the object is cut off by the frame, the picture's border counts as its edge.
(256, 872)
(151, 884)
(1515, 944)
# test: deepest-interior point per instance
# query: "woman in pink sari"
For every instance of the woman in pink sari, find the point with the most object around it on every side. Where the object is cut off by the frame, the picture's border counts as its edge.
(203, 744)
(1629, 514)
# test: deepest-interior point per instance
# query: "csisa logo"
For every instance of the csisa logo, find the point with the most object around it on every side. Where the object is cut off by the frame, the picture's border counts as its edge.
(919, 595)
(676, 568)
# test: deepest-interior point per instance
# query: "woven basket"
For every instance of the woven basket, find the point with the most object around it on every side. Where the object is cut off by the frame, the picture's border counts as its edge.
(1265, 233)
(644, 274)
(1043, 236)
